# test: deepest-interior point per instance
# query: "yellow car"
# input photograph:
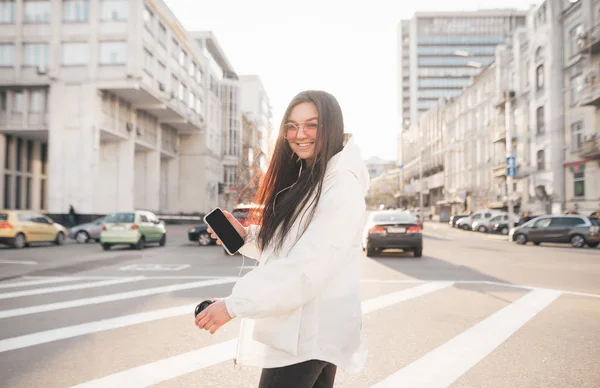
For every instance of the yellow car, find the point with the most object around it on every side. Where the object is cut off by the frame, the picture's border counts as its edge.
(19, 228)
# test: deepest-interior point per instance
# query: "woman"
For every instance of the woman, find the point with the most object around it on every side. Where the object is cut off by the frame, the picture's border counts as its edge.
(301, 306)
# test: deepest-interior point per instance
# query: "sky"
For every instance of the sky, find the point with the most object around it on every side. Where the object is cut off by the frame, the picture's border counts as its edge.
(347, 48)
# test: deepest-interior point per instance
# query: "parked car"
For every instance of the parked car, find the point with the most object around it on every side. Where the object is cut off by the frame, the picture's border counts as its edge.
(201, 236)
(503, 227)
(87, 232)
(487, 224)
(136, 229)
(454, 220)
(22, 228)
(392, 230)
(576, 230)
(466, 223)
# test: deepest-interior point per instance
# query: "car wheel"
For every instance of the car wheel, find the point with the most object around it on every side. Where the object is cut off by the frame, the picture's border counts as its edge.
(371, 252)
(106, 247)
(577, 241)
(537, 244)
(163, 240)
(521, 239)
(140, 244)
(418, 252)
(82, 237)
(60, 238)
(593, 245)
(204, 239)
(482, 229)
(465, 227)
(504, 231)
(19, 241)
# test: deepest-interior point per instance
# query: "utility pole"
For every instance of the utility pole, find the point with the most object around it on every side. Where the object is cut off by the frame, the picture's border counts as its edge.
(511, 165)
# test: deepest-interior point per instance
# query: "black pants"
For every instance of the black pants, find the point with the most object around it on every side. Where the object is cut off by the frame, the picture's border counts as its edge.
(307, 374)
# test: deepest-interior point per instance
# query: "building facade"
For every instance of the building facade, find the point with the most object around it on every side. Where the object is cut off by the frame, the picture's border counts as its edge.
(581, 33)
(257, 108)
(109, 106)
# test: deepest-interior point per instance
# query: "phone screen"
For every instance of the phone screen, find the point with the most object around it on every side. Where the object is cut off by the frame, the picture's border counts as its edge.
(221, 226)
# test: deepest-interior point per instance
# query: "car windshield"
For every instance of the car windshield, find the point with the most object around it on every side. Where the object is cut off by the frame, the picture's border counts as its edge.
(120, 217)
(392, 217)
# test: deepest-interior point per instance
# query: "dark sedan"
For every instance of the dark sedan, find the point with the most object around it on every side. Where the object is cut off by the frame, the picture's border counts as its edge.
(502, 227)
(454, 220)
(201, 236)
(392, 230)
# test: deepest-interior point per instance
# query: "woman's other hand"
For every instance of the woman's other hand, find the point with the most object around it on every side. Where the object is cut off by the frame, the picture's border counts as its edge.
(213, 317)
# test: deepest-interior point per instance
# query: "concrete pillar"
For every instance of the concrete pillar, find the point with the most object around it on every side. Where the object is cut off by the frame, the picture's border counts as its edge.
(191, 173)
(2, 159)
(36, 172)
(71, 147)
(153, 174)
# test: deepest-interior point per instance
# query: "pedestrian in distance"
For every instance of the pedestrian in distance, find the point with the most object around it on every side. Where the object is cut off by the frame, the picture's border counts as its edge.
(72, 216)
(300, 309)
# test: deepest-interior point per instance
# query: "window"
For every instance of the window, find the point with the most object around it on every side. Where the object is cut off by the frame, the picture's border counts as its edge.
(526, 73)
(192, 69)
(576, 136)
(576, 32)
(182, 92)
(579, 184)
(567, 221)
(114, 10)
(2, 101)
(35, 54)
(75, 54)
(7, 11)
(113, 53)
(230, 175)
(18, 102)
(36, 101)
(540, 120)
(76, 10)
(539, 77)
(7, 55)
(543, 223)
(576, 88)
(37, 11)
(175, 50)
(148, 62)
(199, 75)
(18, 192)
(162, 34)
(44, 159)
(29, 155)
(541, 160)
(161, 74)
(198, 106)
(192, 101)
(182, 58)
(148, 19)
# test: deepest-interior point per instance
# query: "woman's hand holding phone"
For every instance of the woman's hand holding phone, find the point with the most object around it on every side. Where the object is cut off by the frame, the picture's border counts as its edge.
(236, 224)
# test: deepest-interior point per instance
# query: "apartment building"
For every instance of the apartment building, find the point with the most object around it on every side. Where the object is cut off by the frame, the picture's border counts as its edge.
(582, 105)
(257, 108)
(110, 105)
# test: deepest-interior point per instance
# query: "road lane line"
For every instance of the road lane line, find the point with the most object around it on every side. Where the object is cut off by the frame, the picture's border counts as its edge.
(18, 262)
(111, 298)
(70, 287)
(175, 366)
(443, 365)
(39, 282)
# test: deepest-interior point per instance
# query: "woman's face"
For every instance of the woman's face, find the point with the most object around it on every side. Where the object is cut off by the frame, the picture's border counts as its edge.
(301, 131)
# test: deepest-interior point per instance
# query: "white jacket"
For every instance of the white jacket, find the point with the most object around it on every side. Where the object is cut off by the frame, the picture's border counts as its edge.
(305, 302)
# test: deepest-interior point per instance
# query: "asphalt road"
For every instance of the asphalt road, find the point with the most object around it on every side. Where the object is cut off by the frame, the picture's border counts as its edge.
(475, 311)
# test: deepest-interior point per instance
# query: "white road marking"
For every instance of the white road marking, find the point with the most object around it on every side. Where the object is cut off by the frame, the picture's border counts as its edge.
(443, 365)
(18, 262)
(70, 287)
(111, 298)
(154, 267)
(172, 367)
(166, 369)
(40, 282)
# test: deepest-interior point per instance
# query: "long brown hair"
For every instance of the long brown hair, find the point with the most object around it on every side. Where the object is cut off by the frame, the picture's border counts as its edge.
(289, 186)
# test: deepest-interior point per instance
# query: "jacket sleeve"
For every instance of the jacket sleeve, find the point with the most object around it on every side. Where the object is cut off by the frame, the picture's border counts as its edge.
(250, 248)
(288, 282)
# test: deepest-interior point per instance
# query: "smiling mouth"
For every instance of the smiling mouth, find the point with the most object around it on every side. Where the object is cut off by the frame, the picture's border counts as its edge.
(303, 145)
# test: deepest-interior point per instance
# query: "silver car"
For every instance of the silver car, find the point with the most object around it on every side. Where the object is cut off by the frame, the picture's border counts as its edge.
(87, 232)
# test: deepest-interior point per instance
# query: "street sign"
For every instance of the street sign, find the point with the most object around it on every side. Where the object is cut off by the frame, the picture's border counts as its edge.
(511, 166)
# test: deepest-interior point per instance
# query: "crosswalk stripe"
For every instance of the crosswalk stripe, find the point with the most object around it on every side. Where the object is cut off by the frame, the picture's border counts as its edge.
(70, 287)
(40, 282)
(172, 367)
(111, 298)
(443, 365)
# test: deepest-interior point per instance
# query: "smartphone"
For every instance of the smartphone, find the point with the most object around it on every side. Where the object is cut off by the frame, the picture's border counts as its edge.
(220, 225)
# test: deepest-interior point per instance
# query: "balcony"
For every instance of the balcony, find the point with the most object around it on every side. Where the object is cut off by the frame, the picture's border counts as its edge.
(590, 148)
(589, 41)
(499, 169)
(503, 97)
(499, 134)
